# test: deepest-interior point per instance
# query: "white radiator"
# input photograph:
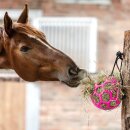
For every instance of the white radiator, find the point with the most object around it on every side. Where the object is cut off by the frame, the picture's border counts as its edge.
(75, 36)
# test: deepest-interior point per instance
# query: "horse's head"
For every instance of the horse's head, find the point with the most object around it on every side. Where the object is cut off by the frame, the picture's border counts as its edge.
(26, 50)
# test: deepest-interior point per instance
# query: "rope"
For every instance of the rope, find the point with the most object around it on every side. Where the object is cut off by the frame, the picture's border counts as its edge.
(119, 56)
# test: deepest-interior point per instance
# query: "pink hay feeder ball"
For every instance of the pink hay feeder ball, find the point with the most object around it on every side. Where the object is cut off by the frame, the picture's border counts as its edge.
(107, 95)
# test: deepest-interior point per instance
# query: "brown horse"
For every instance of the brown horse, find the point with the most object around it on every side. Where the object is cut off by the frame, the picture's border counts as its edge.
(26, 50)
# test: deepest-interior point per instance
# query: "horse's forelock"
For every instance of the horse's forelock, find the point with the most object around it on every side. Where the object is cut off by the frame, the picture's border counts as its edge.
(28, 30)
(32, 33)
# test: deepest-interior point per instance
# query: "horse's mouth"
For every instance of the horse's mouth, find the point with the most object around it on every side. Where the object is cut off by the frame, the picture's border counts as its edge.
(72, 84)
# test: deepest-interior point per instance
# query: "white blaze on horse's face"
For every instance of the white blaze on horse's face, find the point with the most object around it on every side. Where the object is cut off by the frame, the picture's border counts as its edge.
(33, 58)
(38, 39)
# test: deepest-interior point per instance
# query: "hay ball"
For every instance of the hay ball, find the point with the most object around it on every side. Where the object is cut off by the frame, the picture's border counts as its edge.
(107, 95)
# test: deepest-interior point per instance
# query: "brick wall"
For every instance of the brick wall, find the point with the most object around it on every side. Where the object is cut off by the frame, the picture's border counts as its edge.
(19, 3)
(63, 108)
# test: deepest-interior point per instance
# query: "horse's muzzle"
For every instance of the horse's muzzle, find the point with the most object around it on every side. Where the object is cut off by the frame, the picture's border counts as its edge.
(75, 80)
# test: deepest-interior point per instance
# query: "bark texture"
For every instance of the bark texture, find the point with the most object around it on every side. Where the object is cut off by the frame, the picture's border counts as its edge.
(126, 78)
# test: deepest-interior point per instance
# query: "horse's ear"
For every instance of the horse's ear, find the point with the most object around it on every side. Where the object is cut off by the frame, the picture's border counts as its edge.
(8, 24)
(23, 18)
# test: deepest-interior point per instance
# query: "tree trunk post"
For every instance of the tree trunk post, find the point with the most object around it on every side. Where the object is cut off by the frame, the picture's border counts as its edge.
(126, 77)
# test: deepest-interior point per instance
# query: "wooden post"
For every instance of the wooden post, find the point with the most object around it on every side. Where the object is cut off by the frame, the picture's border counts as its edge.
(126, 77)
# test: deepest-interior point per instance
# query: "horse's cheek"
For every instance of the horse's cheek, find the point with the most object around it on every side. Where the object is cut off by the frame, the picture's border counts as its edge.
(24, 68)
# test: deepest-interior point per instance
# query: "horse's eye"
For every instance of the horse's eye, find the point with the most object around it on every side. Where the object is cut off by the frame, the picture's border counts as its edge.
(24, 49)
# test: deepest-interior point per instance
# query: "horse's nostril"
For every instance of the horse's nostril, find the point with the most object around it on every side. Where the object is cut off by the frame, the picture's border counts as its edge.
(73, 71)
